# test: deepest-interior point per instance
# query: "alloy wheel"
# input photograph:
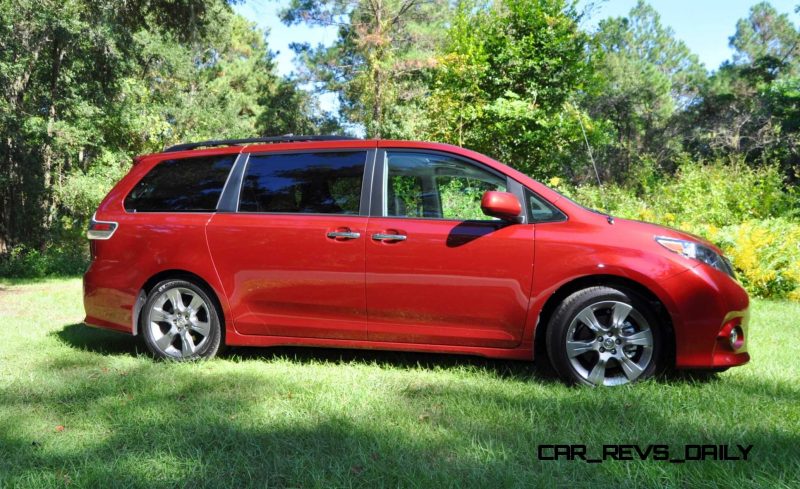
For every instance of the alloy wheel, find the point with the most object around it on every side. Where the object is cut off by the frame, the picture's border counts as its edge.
(180, 322)
(609, 343)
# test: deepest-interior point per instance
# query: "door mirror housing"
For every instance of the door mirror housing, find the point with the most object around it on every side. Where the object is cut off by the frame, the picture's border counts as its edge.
(502, 205)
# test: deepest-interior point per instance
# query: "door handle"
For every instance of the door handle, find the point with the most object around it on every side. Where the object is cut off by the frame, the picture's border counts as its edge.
(389, 237)
(344, 235)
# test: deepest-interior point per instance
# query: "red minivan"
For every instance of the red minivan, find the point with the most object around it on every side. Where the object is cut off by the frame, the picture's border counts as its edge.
(401, 245)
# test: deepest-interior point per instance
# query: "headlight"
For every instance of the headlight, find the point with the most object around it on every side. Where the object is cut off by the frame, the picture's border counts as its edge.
(696, 251)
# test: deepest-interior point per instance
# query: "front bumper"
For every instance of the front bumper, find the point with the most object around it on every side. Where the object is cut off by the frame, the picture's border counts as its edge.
(705, 304)
(724, 354)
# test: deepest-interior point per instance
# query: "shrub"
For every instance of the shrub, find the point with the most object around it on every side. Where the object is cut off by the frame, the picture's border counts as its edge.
(722, 194)
(67, 251)
(61, 259)
(766, 255)
(82, 192)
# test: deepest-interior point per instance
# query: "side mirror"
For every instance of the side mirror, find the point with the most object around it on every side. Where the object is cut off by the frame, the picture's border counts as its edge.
(502, 205)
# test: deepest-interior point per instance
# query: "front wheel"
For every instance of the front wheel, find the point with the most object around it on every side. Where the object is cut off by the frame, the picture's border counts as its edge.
(602, 336)
(180, 322)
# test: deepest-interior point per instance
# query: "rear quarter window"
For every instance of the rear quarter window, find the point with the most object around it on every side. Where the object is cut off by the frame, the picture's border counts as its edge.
(181, 185)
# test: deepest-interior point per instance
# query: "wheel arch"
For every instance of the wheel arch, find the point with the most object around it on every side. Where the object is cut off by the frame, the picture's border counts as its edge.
(615, 281)
(175, 274)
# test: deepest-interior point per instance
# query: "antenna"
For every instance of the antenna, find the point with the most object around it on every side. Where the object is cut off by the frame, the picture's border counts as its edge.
(596, 173)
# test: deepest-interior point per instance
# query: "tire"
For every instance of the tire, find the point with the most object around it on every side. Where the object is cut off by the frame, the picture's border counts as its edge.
(180, 321)
(605, 336)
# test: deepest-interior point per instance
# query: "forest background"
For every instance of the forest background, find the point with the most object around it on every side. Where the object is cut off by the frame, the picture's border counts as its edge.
(87, 85)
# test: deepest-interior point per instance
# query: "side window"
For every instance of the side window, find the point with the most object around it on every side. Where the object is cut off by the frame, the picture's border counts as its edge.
(436, 186)
(541, 210)
(181, 185)
(311, 183)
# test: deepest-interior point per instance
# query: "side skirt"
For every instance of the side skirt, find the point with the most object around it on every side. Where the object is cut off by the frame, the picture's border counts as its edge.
(235, 339)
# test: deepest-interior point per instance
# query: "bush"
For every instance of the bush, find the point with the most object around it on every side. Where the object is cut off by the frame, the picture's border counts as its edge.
(766, 255)
(723, 194)
(718, 193)
(63, 259)
(66, 252)
(82, 192)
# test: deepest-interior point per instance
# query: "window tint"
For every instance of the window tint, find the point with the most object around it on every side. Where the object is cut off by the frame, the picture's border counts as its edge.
(183, 185)
(543, 211)
(314, 183)
(436, 186)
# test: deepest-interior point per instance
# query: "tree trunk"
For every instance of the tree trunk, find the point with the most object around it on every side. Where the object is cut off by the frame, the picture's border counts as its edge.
(47, 203)
(6, 196)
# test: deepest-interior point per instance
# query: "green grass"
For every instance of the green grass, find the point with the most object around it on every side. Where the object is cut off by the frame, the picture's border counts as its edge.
(325, 418)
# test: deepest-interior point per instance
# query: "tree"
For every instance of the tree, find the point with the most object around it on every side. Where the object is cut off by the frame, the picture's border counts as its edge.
(766, 34)
(643, 78)
(376, 63)
(223, 85)
(61, 63)
(751, 106)
(88, 84)
(504, 79)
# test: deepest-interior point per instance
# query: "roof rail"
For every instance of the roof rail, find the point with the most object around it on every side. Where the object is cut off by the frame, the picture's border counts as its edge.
(288, 138)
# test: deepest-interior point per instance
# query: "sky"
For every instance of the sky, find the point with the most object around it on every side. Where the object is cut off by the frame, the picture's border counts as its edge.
(704, 25)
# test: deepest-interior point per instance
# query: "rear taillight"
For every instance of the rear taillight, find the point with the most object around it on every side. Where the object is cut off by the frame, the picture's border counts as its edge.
(101, 229)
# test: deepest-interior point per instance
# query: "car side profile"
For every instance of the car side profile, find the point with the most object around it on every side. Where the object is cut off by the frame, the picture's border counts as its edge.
(400, 245)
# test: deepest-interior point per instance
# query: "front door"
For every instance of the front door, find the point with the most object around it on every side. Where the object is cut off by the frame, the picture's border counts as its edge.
(439, 271)
(291, 258)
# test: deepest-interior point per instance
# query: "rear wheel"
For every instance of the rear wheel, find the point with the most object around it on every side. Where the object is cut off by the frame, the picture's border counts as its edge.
(604, 336)
(180, 321)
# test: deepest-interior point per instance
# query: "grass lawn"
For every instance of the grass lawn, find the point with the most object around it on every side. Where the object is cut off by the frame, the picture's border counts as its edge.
(87, 408)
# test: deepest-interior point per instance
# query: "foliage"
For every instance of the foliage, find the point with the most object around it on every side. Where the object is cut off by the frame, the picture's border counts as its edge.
(642, 77)
(63, 259)
(461, 198)
(82, 191)
(766, 255)
(751, 107)
(87, 85)
(62, 66)
(747, 112)
(503, 80)
(376, 64)
(716, 193)
(766, 33)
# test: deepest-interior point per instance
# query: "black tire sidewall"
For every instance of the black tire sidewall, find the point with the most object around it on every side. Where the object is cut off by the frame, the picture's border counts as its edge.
(215, 334)
(575, 303)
